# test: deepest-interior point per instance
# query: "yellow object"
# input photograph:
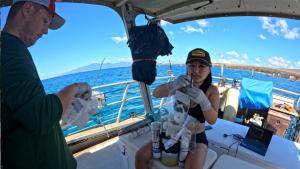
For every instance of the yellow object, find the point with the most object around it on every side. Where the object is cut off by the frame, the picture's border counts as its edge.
(169, 159)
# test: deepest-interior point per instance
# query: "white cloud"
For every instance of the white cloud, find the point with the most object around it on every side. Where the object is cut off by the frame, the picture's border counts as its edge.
(257, 64)
(173, 59)
(164, 23)
(120, 39)
(245, 56)
(232, 57)
(279, 27)
(124, 59)
(118, 59)
(233, 53)
(171, 32)
(279, 62)
(297, 64)
(262, 37)
(288, 34)
(190, 29)
(291, 67)
(236, 61)
(222, 60)
(266, 24)
(292, 34)
(202, 23)
(258, 59)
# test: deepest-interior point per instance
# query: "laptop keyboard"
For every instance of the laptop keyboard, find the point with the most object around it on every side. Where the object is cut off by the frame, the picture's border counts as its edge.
(254, 145)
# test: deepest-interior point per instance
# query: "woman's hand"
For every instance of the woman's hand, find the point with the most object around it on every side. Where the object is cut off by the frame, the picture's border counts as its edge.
(181, 81)
(199, 97)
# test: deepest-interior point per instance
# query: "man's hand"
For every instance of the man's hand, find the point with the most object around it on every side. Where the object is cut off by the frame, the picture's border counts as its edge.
(181, 81)
(199, 97)
(73, 110)
(84, 91)
(67, 94)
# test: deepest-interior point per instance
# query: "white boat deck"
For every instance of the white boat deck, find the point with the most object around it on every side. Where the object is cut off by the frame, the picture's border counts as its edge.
(106, 155)
(281, 153)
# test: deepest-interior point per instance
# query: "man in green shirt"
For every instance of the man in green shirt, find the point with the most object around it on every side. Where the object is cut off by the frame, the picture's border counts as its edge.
(31, 137)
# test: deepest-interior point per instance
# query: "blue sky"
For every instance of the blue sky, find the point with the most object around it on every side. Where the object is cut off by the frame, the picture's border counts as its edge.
(93, 32)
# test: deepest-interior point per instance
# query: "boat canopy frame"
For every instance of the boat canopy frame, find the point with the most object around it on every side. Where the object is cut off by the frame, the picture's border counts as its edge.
(177, 11)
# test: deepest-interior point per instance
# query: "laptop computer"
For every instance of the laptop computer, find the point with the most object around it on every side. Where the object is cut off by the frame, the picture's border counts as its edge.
(257, 139)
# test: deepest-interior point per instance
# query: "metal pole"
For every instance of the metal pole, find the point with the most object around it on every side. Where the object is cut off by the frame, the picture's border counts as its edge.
(145, 92)
(222, 70)
(123, 102)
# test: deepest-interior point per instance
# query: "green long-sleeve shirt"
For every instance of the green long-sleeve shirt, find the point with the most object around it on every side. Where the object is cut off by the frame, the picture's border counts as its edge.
(31, 137)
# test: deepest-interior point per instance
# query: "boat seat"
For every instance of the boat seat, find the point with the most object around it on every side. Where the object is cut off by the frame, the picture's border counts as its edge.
(211, 157)
(226, 161)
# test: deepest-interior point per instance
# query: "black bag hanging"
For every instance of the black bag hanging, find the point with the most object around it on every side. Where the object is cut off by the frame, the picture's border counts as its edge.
(146, 43)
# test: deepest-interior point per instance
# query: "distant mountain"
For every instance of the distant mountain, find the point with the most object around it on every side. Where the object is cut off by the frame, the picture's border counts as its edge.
(96, 66)
(293, 74)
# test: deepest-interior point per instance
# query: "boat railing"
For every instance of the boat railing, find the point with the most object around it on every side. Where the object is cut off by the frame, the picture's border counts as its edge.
(119, 101)
(122, 100)
(286, 91)
(274, 88)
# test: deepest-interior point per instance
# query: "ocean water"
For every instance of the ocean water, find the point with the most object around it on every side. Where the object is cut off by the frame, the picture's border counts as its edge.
(107, 76)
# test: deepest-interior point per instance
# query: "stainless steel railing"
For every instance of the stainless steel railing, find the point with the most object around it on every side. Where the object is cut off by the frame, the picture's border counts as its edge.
(128, 87)
(274, 88)
(123, 99)
(119, 101)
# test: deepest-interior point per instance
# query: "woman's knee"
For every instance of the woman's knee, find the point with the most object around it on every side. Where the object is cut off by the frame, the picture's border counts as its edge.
(196, 159)
(144, 153)
(140, 155)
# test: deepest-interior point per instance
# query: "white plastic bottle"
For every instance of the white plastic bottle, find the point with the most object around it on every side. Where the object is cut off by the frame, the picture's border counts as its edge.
(91, 109)
(77, 107)
(184, 147)
(93, 106)
(155, 130)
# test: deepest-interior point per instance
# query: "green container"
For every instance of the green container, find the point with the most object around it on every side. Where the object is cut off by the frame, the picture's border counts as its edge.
(154, 116)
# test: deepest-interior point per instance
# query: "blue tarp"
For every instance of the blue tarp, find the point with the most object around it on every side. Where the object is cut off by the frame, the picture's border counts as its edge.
(255, 94)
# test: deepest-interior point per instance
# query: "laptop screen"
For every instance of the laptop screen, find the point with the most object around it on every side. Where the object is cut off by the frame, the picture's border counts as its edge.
(262, 135)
